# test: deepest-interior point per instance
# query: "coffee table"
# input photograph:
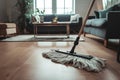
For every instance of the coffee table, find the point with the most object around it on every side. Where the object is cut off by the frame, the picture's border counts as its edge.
(44, 24)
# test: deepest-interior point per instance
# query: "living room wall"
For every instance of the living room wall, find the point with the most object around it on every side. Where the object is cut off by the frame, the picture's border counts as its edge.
(9, 13)
(3, 16)
(82, 6)
(11, 10)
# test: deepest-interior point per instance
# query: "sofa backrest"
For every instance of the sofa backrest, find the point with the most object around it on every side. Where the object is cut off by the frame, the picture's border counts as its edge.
(48, 18)
(103, 13)
(116, 7)
(61, 18)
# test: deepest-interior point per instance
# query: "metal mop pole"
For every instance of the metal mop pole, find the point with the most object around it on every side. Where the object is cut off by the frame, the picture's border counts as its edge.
(77, 39)
(82, 27)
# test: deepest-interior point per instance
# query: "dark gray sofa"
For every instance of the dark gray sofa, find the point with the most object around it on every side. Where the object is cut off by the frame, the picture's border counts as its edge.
(106, 24)
(75, 19)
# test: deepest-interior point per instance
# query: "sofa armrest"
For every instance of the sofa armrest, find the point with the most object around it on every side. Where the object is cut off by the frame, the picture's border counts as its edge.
(3, 26)
(113, 29)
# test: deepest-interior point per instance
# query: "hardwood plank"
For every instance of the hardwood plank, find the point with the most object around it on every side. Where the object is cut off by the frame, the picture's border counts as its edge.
(24, 61)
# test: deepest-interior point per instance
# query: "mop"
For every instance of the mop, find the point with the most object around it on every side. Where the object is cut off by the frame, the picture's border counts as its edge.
(77, 60)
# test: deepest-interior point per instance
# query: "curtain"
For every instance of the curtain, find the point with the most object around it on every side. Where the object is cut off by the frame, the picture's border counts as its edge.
(109, 3)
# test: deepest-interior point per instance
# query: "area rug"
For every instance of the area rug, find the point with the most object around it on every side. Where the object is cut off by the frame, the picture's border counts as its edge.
(41, 38)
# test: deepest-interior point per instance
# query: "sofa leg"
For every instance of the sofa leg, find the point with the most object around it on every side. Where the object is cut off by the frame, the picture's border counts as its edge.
(84, 34)
(105, 42)
(118, 52)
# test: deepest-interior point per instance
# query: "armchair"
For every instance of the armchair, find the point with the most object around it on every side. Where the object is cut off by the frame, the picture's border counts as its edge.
(113, 30)
(105, 25)
(7, 29)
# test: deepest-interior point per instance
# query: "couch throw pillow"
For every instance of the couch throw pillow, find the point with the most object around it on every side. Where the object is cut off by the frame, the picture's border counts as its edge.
(73, 18)
(99, 22)
(35, 18)
(89, 22)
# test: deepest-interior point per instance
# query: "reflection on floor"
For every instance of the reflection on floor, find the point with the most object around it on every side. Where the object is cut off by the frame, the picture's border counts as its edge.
(53, 44)
(24, 61)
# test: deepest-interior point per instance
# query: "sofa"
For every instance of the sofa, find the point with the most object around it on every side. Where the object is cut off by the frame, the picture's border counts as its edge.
(105, 25)
(75, 19)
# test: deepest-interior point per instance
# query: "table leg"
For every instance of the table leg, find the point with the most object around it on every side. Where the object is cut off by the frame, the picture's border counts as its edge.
(34, 31)
(118, 53)
(68, 30)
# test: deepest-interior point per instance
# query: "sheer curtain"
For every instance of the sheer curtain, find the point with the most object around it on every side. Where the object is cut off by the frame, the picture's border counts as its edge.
(109, 3)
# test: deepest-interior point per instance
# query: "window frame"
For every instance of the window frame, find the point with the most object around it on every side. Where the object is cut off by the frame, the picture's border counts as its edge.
(54, 7)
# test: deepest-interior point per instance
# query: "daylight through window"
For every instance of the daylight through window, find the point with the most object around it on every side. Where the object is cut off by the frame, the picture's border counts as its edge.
(56, 6)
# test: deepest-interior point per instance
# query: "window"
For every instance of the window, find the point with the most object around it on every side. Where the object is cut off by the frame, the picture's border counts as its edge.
(106, 4)
(56, 6)
(44, 5)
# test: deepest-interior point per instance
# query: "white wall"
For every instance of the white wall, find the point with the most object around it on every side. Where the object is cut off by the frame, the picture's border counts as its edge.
(3, 16)
(82, 6)
(11, 10)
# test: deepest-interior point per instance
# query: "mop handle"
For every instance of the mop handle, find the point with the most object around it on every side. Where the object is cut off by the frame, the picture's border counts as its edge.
(82, 27)
(85, 20)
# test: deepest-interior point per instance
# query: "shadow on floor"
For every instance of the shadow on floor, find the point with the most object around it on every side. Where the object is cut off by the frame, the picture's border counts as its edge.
(112, 43)
(1, 38)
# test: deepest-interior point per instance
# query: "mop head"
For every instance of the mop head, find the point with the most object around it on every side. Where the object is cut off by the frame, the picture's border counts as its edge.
(94, 64)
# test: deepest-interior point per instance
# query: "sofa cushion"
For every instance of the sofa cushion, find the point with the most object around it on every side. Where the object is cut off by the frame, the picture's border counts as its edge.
(96, 22)
(48, 18)
(99, 22)
(63, 18)
(89, 22)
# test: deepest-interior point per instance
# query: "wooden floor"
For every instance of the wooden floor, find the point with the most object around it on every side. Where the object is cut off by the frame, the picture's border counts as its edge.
(24, 61)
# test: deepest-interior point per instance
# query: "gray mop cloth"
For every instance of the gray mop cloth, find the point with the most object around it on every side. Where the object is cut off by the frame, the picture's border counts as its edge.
(95, 64)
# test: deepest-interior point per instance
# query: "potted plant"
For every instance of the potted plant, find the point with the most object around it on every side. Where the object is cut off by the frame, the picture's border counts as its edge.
(41, 14)
(24, 8)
